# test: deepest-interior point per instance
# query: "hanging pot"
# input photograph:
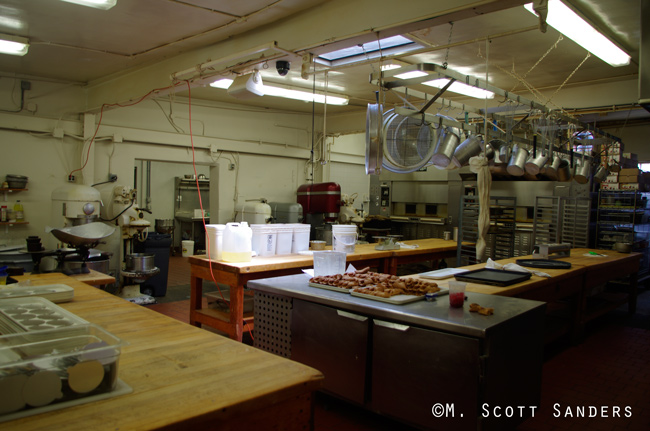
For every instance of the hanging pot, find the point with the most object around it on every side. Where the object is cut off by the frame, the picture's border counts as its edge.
(564, 171)
(469, 148)
(582, 171)
(535, 164)
(601, 174)
(448, 140)
(517, 161)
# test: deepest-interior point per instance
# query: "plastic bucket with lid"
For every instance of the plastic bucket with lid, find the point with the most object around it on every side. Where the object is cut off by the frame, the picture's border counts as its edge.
(300, 241)
(344, 237)
(237, 242)
(264, 239)
(188, 248)
(285, 238)
(214, 240)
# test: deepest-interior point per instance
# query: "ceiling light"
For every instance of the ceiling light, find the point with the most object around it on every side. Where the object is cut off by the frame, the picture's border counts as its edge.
(13, 45)
(461, 88)
(222, 83)
(97, 4)
(390, 66)
(289, 93)
(570, 24)
(304, 95)
(411, 74)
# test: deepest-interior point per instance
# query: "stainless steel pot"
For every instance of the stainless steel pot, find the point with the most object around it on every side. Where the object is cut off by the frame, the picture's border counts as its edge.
(601, 174)
(139, 262)
(448, 140)
(535, 164)
(469, 148)
(517, 161)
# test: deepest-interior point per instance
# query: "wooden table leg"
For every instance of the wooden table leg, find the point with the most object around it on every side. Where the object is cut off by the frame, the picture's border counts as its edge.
(196, 296)
(237, 311)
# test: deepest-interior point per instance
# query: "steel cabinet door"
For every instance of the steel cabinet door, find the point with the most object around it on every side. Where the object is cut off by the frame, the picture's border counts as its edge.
(334, 342)
(415, 369)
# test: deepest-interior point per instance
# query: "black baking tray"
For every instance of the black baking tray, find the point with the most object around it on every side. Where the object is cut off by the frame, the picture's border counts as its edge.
(544, 263)
(495, 277)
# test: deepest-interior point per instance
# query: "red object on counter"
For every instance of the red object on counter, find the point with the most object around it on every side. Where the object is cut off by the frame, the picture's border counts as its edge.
(320, 198)
(457, 299)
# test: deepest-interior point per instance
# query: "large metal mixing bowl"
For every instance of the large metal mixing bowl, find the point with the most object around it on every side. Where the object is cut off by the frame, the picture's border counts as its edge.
(83, 235)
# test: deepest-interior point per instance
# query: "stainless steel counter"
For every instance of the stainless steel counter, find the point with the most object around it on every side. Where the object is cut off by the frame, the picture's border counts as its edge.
(400, 360)
(433, 315)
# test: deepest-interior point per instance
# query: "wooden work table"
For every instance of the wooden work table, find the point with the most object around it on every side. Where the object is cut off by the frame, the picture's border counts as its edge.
(236, 275)
(182, 377)
(570, 293)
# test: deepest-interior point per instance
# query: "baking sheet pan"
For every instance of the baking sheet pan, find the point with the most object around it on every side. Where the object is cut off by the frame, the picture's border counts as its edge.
(441, 274)
(328, 287)
(397, 299)
(494, 277)
(544, 263)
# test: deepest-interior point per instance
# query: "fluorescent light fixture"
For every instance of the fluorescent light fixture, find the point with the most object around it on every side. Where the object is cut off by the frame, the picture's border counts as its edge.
(570, 24)
(221, 83)
(390, 66)
(461, 88)
(411, 74)
(97, 4)
(289, 93)
(13, 45)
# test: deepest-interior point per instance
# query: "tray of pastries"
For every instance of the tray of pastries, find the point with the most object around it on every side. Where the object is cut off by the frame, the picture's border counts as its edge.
(377, 286)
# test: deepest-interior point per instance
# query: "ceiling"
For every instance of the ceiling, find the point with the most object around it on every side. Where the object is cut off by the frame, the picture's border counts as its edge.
(80, 45)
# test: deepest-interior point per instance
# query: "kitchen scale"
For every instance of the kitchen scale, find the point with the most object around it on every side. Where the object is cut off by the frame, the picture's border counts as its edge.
(388, 242)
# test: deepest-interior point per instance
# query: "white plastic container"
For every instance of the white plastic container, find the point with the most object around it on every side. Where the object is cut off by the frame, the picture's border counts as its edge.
(300, 241)
(328, 262)
(285, 238)
(253, 212)
(264, 239)
(214, 240)
(344, 237)
(188, 248)
(237, 243)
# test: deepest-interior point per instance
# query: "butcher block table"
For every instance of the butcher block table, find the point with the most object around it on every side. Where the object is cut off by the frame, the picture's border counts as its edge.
(237, 274)
(183, 378)
(433, 249)
(570, 292)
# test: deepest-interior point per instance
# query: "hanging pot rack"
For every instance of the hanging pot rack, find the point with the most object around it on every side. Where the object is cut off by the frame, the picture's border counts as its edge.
(389, 80)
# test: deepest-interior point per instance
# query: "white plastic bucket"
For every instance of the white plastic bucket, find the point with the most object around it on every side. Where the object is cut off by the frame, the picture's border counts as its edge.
(187, 248)
(344, 237)
(214, 240)
(264, 239)
(300, 241)
(285, 238)
(237, 242)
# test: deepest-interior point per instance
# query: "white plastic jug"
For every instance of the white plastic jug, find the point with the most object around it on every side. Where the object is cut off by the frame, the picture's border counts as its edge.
(237, 242)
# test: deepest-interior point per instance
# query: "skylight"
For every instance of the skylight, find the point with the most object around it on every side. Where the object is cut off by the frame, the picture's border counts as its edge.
(389, 46)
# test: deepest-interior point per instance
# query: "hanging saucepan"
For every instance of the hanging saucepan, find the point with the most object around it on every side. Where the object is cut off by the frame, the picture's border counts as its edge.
(470, 147)
(490, 154)
(501, 157)
(517, 161)
(553, 163)
(564, 171)
(448, 140)
(601, 174)
(536, 162)
(582, 171)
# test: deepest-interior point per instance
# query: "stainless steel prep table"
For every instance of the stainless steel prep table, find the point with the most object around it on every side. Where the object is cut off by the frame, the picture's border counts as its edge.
(402, 360)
